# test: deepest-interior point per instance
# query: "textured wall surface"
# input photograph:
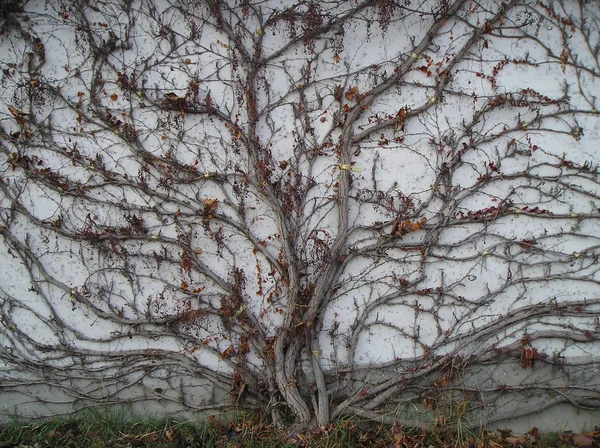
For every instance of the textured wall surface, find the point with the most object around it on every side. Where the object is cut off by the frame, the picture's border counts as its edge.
(386, 209)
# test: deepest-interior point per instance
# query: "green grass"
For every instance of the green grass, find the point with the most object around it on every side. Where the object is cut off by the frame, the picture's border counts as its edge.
(118, 429)
(107, 429)
(550, 440)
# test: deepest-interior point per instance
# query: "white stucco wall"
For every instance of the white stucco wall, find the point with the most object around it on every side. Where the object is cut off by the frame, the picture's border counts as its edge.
(455, 285)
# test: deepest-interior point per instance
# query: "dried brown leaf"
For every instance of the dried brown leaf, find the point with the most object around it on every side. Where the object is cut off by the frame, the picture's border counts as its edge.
(210, 205)
(351, 94)
(517, 441)
(582, 440)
